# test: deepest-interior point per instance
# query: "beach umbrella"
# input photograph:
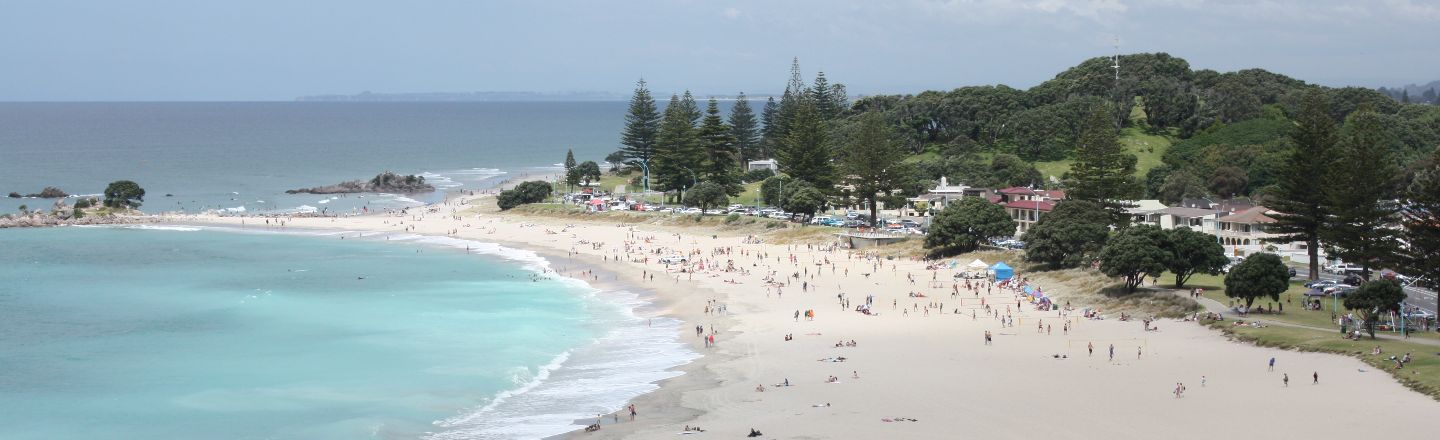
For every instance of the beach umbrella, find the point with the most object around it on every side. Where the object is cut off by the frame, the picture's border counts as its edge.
(977, 264)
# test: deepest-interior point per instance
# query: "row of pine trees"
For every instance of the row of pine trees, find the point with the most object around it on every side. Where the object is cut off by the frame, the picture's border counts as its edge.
(683, 145)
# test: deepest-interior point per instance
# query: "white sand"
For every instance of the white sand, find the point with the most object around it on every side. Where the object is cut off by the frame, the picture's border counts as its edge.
(934, 369)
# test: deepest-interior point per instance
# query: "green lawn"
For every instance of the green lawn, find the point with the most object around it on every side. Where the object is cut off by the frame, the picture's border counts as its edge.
(1147, 148)
(1295, 313)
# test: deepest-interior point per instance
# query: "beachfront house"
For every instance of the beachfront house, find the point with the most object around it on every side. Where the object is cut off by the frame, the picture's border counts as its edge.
(1180, 217)
(935, 199)
(1027, 205)
(1247, 232)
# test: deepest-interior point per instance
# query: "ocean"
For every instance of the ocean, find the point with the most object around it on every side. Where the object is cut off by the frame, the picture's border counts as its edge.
(241, 157)
(178, 332)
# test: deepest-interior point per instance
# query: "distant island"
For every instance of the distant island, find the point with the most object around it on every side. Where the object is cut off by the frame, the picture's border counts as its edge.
(464, 97)
(49, 192)
(386, 182)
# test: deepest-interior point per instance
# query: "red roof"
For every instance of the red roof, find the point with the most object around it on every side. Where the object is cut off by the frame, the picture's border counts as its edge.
(993, 198)
(1017, 190)
(1054, 194)
(1041, 205)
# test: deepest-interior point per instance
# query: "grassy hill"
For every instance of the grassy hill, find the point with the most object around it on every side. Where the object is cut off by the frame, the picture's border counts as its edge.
(1147, 148)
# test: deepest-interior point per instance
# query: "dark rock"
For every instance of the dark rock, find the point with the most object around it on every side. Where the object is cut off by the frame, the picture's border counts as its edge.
(14, 195)
(386, 182)
(50, 192)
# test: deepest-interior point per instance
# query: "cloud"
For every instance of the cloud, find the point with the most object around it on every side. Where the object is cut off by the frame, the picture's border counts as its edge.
(731, 13)
(1001, 9)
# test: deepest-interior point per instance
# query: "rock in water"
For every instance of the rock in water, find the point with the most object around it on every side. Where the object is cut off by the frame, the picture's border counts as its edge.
(386, 182)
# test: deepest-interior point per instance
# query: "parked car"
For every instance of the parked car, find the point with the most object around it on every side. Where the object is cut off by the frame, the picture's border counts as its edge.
(1292, 272)
(779, 215)
(691, 211)
(1316, 292)
(1321, 284)
(1343, 268)
(672, 259)
(820, 219)
(1353, 280)
(1340, 291)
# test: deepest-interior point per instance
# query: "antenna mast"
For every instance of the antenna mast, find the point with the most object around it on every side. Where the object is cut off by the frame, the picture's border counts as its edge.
(1115, 64)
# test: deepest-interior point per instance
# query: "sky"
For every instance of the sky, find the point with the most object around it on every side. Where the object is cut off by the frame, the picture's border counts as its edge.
(258, 50)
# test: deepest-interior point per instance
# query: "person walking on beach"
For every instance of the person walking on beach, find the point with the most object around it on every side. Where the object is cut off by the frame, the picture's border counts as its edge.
(1287, 380)
(1315, 378)
(1091, 347)
(1272, 364)
(632, 412)
(1112, 352)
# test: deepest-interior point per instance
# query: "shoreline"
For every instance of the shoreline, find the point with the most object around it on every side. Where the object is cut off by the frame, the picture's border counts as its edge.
(915, 366)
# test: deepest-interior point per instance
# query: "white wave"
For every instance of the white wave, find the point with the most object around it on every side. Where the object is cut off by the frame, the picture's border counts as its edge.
(322, 202)
(234, 210)
(160, 228)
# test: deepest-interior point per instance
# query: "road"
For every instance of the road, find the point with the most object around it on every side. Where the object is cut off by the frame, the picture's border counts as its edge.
(1426, 299)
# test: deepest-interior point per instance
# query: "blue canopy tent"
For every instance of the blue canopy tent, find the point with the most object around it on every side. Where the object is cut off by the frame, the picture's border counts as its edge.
(1002, 272)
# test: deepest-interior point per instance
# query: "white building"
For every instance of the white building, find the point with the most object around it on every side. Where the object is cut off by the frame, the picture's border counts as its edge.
(763, 164)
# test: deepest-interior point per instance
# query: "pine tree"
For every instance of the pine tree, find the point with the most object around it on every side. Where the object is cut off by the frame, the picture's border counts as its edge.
(1103, 172)
(1422, 222)
(806, 152)
(825, 107)
(721, 155)
(1298, 200)
(790, 102)
(569, 164)
(1360, 195)
(744, 131)
(873, 162)
(769, 133)
(676, 155)
(642, 126)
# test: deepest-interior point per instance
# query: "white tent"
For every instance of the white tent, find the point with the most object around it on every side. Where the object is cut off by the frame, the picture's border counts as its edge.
(977, 264)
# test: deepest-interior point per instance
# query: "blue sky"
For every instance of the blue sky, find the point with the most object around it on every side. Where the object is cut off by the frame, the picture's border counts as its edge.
(277, 50)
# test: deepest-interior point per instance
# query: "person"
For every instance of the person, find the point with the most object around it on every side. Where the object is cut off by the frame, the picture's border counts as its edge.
(754, 433)
(1137, 352)
(632, 412)
(1112, 352)
(1315, 378)
(1202, 381)
(1091, 347)
(1286, 379)
(1272, 364)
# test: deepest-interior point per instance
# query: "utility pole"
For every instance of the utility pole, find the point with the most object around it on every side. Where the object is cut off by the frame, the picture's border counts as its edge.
(1115, 64)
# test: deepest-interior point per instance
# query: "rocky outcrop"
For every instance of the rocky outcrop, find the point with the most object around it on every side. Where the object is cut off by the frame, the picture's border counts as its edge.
(386, 182)
(38, 220)
(49, 192)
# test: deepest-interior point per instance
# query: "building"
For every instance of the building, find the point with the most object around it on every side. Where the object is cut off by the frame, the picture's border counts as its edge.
(763, 164)
(936, 198)
(1027, 205)
(1180, 217)
(1247, 232)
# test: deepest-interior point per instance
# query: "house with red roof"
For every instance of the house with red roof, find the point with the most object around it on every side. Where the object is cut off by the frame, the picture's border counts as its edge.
(1027, 205)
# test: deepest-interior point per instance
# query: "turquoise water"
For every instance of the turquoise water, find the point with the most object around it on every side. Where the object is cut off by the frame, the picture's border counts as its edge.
(132, 333)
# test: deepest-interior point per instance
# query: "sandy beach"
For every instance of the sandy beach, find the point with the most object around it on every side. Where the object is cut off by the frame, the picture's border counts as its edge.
(919, 367)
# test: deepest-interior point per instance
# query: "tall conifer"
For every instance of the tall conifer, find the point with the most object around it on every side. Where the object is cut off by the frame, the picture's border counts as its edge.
(1299, 199)
(744, 131)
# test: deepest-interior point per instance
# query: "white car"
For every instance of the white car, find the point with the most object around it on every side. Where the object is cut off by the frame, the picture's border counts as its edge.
(673, 259)
(779, 215)
(714, 212)
(691, 211)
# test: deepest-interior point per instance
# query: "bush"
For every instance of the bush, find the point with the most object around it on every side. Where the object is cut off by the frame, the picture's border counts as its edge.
(758, 175)
(732, 218)
(534, 191)
(124, 194)
(83, 202)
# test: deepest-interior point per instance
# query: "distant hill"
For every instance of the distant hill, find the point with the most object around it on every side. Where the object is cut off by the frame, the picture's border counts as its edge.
(464, 97)
(1428, 93)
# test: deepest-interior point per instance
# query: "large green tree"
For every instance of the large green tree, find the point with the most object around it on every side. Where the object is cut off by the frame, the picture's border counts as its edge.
(806, 152)
(1193, 252)
(1009, 170)
(873, 162)
(721, 165)
(534, 191)
(803, 198)
(706, 195)
(677, 157)
(963, 225)
(570, 177)
(1260, 275)
(586, 172)
(642, 126)
(1134, 253)
(124, 194)
(1375, 299)
(1068, 236)
(745, 130)
(1103, 172)
(1299, 198)
(772, 189)
(795, 96)
(770, 130)
(1422, 222)
(1360, 197)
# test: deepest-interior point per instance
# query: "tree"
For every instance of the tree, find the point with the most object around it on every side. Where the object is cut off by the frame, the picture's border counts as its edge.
(1009, 170)
(1134, 253)
(1299, 199)
(1193, 252)
(721, 157)
(1228, 181)
(1421, 218)
(677, 151)
(642, 126)
(614, 160)
(124, 194)
(806, 152)
(802, 198)
(1179, 186)
(706, 195)
(769, 133)
(1103, 172)
(873, 162)
(1359, 196)
(588, 171)
(962, 226)
(534, 191)
(569, 160)
(744, 131)
(1375, 299)
(1260, 275)
(772, 189)
(1068, 236)
(790, 102)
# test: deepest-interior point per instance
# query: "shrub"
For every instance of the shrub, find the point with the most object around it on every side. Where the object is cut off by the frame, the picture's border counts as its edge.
(758, 175)
(534, 191)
